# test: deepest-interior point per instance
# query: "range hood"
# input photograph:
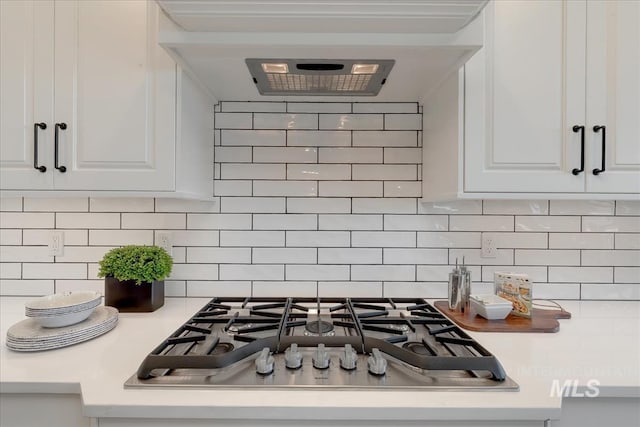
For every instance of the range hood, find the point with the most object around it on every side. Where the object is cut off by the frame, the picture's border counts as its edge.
(262, 50)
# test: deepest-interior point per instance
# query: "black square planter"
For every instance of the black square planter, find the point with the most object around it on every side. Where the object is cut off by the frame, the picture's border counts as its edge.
(128, 297)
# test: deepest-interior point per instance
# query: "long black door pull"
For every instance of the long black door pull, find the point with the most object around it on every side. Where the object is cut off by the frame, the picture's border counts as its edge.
(37, 126)
(580, 129)
(62, 126)
(596, 129)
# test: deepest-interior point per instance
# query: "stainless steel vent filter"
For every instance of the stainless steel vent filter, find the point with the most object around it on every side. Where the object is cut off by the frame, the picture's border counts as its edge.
(322, 77)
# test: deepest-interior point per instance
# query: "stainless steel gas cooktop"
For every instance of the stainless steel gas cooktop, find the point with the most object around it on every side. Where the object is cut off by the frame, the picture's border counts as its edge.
(337, 343)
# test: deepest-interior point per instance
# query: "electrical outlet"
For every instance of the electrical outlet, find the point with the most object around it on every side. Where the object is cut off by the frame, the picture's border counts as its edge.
(56, 243)
(488, 249)
(164, 241)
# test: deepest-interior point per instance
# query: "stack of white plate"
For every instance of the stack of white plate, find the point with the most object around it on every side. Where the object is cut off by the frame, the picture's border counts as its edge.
(30, 335)
(57, 310)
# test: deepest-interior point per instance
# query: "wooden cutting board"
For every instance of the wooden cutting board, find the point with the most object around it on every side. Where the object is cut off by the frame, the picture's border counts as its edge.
(541, 320)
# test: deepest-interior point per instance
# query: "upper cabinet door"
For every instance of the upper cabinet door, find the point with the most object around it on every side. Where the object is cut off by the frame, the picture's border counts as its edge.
(26, 93)
(524, 92)
(613, 95)
(115, 95)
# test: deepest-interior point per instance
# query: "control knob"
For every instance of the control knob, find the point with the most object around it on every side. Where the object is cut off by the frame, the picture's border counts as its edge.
(348, 358)
(264, 362)
(293, 357)
(377, 363)
(320, 358)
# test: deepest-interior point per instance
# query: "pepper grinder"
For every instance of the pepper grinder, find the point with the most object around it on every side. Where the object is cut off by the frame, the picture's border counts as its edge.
(454, 289)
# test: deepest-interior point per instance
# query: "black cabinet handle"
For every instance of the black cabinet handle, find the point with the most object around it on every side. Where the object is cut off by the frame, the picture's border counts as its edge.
(604, 147)
(62, 126)
(580, 129)
(37, 126)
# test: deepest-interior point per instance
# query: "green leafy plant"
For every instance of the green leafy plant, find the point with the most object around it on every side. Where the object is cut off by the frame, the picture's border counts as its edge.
(139, 263)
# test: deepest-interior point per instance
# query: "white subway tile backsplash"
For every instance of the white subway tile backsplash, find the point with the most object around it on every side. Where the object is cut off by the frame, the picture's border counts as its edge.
(481, 223)
(609, 291)
(253, 106)
(556, 291)
(26, 220)
(351, 121)
(403, 121)
(449, 239)
(347, 289)
(168, 221)
(253, 138)
(618, 224)
(10, 270)
(184, 205)
(624, 258)
(384, 206)
(285, 121)
(349, 222)
(251, 272)
(385, 172)
(582, 207)
(26, 287)
(535, 273)
(252, 204)
(515, 207)
(194, 272)
(399, 273)
(252, 238)
(232, 187)
(10, 237)
(339, 138)
(230, 154)
(54, 271)
(318, 107)
(114, 237)
(318, 172)
(474, 257)
(349, 255)
(284, 255)
(416, 222)
(440, 273)
(74, 285)
(558, 224)
(456, 207)
(383, 239)
(233, 120)
(390, 107)
(350, 188)
(386, 139)
(10, 204)
(519, 240)
(193, 237)
(179, 254)
(349, 155)
(289, 288)
(628, 207)
(83, 254)
(285, 188)
(121, 205)
(580, 274)
(317, 272)
(218, 288)
(626, 274)
(402, 189)
(414, 290)
(285, 155)
(580, 241)
(285, 222)
(90, 220)
(218, 221)
(415, 256)
(547, 257)
(402, 155)
(175, 288)
(208, 255)
(25, 254)
(625, 241)
(318, 239)
(252, 171)
(56, 204)
(318, 205)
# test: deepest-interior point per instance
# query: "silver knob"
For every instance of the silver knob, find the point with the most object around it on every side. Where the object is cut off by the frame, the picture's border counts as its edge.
(293, 357)
(264, 362)
(320, 358)
(377, 363)
(348, 358)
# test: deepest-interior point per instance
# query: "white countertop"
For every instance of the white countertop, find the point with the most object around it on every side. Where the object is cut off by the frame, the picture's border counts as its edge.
(601, 342)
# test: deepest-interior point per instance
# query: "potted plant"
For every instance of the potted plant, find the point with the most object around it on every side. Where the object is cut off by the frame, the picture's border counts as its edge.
(134, 277)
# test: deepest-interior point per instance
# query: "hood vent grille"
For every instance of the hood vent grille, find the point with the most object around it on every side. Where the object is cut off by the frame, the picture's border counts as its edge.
(322, 77)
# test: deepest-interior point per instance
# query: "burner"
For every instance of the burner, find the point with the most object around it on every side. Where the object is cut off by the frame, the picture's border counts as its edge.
(222, 347)
(234, 329)
(417, 348)
(318, 327)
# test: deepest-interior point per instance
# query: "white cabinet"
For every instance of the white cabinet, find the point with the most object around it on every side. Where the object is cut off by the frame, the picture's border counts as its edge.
(93, 73)
(549, 72)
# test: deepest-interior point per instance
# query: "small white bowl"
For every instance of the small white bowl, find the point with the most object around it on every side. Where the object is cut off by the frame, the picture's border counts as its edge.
(491, 306)
(63, 302)
(64, 319)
